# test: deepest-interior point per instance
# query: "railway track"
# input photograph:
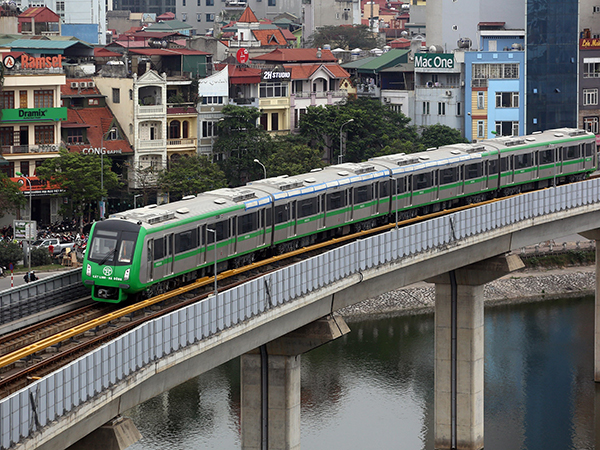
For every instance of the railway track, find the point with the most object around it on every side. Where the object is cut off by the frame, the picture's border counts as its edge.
(29, 354)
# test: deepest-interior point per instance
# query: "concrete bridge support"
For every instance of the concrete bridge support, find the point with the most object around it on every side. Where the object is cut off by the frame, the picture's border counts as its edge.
(459, 352)
(595, 235)
(270, 383)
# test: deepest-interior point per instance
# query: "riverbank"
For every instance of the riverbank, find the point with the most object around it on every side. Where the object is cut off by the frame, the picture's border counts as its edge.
(525, 285)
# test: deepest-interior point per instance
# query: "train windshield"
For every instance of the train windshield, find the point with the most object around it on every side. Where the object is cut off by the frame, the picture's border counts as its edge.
(112, 247)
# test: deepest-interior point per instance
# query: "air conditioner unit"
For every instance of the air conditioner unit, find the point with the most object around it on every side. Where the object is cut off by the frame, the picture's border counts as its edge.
(74, 84)
(386, 99)
(91, 84)
(448, 93)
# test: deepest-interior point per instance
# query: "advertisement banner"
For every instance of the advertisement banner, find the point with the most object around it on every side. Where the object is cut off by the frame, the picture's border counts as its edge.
(37, 114)
(25, 229)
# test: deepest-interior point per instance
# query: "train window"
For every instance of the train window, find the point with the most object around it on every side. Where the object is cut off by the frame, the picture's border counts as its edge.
(336, 200)
(267, 217)
(402, 183)
(281, 213)
(523, 161)
(185, 241)
(384, 189)
(570, 152)
(159, 249)
(546, 156)
(307, 207)
(422, 181)
(363, 194)
(126, 251)
(473, 171)
(504, 164)
(589, 149)
(248, 223)
(449, 175)
(493, 166)
(222, 230)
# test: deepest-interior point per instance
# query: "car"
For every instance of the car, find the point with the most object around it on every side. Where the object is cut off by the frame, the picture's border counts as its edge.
(59, 245)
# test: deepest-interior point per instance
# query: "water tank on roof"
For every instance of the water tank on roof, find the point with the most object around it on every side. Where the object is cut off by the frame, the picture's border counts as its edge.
(464, 42)
(516, 46)
(436, 49)
(327, 47)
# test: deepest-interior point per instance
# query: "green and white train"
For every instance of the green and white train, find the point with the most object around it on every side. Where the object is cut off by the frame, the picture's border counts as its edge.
(146, 251)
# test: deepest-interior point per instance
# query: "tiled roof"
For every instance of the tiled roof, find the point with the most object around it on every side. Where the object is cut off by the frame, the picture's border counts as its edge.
(66, 89)
(288, 34)
(99, 120)
(248, 16)
(167, 51)
(100, 52)
(304, 71)
(291, 55)
(270, 37)
(243, 75)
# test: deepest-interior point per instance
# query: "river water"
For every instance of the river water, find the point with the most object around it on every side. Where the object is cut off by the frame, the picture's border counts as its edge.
(373, 388)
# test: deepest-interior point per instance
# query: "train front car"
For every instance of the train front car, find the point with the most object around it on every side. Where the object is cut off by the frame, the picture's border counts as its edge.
(109, 265)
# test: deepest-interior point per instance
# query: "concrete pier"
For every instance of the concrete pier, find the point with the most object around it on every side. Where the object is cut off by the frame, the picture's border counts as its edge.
(270, 417)
(459, 352)
(595, 236)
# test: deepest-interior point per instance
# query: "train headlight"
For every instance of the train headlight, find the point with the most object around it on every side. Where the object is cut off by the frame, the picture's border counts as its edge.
(126, 276)
(88, 270)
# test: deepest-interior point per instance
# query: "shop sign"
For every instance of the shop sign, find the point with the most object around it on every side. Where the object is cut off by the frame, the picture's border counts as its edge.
(272, 75)
(37, 114)
(434, 61)
(242, 55)
(589, 44)
(32, 62)
(100, 151)
(25, 229)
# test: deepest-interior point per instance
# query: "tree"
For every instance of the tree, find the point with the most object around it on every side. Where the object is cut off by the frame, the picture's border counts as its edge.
(291, 157)
(191, 175)
(11, 198)
(79, 176)
(438, 135)
(10, 252)
(375, 130)
(241, 141)
(346, 37)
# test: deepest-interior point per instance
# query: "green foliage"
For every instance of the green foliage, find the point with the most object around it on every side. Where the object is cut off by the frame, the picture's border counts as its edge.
(292, 157)
(375, 130)
(10, 252)
(79, 176)
(177, 98)
(438, 135)
(191, 175)
(358, 36)
(40, 257)
(242, 141)
(562, 259)
(11, 198)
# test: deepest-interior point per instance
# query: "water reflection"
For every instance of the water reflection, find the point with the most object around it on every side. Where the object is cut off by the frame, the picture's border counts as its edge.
(373, 388)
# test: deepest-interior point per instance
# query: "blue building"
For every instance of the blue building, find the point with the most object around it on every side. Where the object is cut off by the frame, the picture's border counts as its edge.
(495, 86)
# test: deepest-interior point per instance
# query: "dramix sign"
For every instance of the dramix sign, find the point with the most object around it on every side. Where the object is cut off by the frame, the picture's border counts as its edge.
(434, 61)
(37, 114)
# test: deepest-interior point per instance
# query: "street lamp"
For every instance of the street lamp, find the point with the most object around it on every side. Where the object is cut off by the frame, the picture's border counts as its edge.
(134, 198)
(341, 155)
(28, 232)
(263, 166)
(102, 206)
(215, 269)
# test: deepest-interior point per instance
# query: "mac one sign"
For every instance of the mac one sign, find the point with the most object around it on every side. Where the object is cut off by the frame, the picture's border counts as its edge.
(434, 61)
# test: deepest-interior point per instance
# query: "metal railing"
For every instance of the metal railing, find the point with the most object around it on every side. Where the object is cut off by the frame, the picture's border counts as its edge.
(37, 148)
(62, 392)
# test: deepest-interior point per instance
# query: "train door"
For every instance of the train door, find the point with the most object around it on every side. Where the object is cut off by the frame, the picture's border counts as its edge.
(322, 211)
(150, 260)
(169, 253)
(294, 227)
(202, 244)
(232, 248)
(559, 161)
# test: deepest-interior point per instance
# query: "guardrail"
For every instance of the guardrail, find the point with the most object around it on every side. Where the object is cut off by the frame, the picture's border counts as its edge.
(41, 295)
(29, 410)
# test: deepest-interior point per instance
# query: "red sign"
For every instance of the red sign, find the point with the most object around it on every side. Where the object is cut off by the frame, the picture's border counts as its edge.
(242, 55)
(31, 62)
(589, 44)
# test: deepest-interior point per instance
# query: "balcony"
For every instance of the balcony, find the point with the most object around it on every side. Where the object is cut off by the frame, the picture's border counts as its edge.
(38, 148)
(249, 101)
(156, 144)
(368, 90)
(245, 44)
(187, 142)
(151, 110)
(322, 94)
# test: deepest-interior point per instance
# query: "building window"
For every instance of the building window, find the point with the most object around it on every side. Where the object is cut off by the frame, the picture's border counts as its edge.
(272, 3)
(480, 100)
(22, 99)
(174, 129)
(591, 124)
(591, 69)
(507, 128)
(184, 3)
(8, 100)
(486, 71)
(7, 137)
(199, 16)
(210, 17)
(184, 17)
(274, 121)
(441, 109)
(480, 129)
(75, 136)
(43, 99)
(92, 102)
(458, 108)
(276, 89)
(44, 134)
(212, 100)
(60, 9)
(209, 129)
(596, 9)
(590, 97)
(210, 2)
(425, 108)
(507, 99)
(116, 95)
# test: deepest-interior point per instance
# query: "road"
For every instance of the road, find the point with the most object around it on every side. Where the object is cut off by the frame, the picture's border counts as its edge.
(5, 282)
